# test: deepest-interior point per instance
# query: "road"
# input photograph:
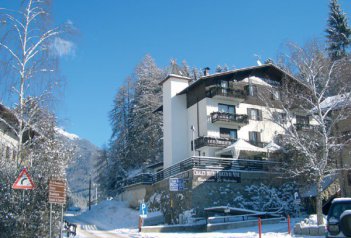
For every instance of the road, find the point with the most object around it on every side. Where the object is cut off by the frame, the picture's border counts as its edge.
(86, 230)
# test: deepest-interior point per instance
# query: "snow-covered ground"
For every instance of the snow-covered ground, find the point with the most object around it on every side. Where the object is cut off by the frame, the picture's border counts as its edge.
(114, 219)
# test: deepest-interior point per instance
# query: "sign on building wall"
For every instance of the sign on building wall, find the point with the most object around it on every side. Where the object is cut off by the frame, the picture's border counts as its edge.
(203, 175)
(176, 184)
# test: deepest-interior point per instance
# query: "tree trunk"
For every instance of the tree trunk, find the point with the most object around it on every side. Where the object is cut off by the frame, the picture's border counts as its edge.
(319, 205)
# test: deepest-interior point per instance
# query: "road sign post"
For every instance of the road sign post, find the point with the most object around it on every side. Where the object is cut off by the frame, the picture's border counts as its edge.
(23, 181)
(57, 195)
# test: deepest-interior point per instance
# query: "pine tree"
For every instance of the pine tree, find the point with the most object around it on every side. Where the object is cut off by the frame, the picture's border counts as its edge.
(338, 31)
(146, 126)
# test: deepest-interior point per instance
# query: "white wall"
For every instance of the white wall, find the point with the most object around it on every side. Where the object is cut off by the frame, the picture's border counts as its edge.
(175, 121)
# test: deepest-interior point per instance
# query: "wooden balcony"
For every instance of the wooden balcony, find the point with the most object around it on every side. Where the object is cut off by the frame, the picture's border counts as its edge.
(228, 118)
(226, 93)
(212, 141)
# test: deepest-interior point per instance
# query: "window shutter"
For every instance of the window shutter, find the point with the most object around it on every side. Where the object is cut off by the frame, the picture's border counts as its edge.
(254, 90)
(258, 136)
(251, 136)
(247, 90)
(259, 115)
(249, 113)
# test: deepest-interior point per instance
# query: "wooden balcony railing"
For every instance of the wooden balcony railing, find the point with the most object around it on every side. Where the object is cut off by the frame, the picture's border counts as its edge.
(225, 92)
(212, 141)
(229, 117)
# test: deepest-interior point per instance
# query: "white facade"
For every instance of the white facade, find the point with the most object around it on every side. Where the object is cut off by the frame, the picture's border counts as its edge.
(175, 124)
(179, 116)
(8, 141)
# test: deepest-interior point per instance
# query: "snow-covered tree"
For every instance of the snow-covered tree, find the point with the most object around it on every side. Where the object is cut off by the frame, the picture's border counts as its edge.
(307, 116)
(145, 126)
(338, 31)
(27, 216)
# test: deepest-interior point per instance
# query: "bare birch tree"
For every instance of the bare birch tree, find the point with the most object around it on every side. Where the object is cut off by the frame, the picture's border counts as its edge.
(30, 48)
(307, 116)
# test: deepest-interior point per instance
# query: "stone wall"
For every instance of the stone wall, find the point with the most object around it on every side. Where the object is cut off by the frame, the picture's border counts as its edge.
(201, 190)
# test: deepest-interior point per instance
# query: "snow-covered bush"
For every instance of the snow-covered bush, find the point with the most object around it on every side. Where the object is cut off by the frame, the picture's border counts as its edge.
(267, 198)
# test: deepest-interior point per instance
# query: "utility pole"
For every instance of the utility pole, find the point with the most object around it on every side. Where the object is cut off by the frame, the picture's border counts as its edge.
(89, 193)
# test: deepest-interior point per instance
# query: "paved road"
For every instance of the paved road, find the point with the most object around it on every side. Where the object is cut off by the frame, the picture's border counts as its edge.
(86, 230)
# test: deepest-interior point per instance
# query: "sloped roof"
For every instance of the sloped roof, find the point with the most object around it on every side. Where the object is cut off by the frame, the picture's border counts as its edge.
(247, 71)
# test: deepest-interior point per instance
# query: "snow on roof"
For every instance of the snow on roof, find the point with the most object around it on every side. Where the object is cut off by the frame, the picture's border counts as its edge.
(336, 101)
(341, 200)
(345, 213)
(66, 134)
(311, 191)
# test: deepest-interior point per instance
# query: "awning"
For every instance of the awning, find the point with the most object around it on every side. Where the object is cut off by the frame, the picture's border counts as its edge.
(241, 145)
(272, 147)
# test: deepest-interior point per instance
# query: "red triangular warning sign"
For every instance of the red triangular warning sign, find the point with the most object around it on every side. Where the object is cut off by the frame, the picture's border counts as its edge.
(23, 181)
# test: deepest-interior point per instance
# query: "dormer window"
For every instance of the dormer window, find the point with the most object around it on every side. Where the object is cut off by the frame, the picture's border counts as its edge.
(251, 90)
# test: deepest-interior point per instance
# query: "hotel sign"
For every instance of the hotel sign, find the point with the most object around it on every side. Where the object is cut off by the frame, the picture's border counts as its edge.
(57, 191)
(204, 175)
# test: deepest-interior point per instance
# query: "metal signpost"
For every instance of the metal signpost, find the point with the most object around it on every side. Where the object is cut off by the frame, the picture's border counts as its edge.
(142, 214)
(23, 182)
(175, 185)
(57, 195)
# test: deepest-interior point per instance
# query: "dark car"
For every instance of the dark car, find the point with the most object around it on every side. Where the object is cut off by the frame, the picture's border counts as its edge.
(339, 218)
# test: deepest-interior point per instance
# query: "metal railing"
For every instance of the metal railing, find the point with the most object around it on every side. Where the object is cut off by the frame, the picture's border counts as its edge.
(145, 178)
(229, 117)
(212, 141)
(200, 162)
(225, 92)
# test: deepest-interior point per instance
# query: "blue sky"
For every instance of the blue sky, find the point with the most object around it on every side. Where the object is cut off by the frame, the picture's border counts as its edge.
(114, 35)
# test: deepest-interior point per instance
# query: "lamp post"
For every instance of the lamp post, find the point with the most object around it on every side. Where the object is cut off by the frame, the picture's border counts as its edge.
(193, 133)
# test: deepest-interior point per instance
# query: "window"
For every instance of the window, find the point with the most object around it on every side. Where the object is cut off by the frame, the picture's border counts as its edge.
(224, 84)
(276, 94)
(226, 108)
(228, 133)
(254, 114)
(254, 136)
(251, 90)
(279, 117)
(302, 120)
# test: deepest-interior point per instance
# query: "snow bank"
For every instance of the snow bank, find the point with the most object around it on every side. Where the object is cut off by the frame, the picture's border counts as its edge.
(111, 215)
(312, 221)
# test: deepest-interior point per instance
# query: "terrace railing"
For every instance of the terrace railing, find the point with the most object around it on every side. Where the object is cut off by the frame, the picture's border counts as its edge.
(200, 162)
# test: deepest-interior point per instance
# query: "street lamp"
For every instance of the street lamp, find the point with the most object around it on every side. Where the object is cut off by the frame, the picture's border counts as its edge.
(193, 133)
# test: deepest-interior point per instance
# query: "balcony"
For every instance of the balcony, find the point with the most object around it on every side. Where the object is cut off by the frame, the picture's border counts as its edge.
(212, 141)
(228, 118)
(304, 127)
(226, 93)
(208, 163)
(258, 143)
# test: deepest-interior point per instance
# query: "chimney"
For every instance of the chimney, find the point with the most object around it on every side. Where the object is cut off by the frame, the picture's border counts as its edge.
(206, 71)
